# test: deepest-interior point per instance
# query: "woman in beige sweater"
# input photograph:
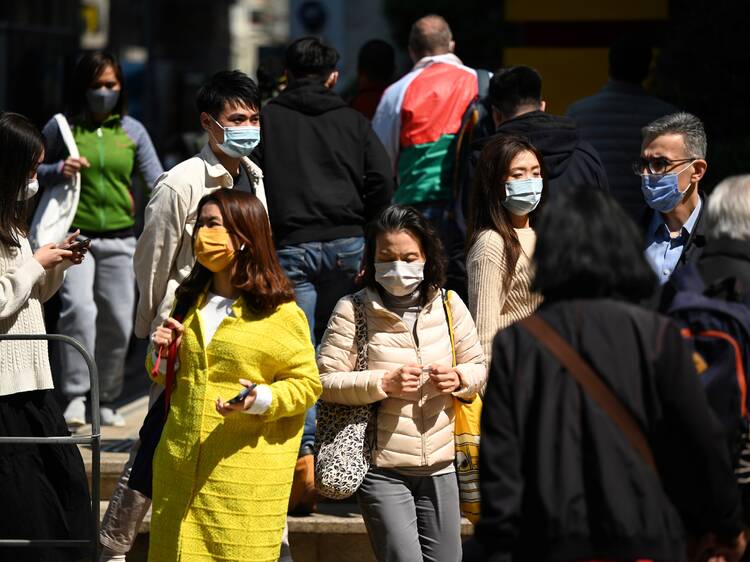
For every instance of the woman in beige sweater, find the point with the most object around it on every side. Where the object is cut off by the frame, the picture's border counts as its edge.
(44, 487)
(409, 498)
(509, 192)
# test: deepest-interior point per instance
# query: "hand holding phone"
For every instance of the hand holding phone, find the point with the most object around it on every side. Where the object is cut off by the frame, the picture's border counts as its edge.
(80, 245)
(244, 393)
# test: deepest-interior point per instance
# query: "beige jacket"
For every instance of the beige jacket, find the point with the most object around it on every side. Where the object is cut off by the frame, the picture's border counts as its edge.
(164, 253)
(416, 429)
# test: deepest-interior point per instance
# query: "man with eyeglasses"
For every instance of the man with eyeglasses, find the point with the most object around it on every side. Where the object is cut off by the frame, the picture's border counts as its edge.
(672, 162)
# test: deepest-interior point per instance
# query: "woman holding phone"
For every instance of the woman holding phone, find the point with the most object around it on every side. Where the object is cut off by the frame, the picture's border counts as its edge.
(223, 469)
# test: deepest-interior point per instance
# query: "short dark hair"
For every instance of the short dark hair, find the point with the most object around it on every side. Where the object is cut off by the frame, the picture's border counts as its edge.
(513, 88)
(257, 271)
(309, 57)
(377, 60)
(430, 34)
(587, 247)
(21, 146)
(394, 219)
(629, 59)
(88, 67)
(227, 86)
(486, 211)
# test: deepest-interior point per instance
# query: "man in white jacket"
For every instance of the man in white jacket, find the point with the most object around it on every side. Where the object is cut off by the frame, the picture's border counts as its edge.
(229, 106)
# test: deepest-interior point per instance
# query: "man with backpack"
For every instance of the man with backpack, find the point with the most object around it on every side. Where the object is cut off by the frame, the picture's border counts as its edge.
(419, 116)
(711, 304)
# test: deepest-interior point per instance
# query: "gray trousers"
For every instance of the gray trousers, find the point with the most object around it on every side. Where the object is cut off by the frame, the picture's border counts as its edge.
(98, 299)
(411, 518)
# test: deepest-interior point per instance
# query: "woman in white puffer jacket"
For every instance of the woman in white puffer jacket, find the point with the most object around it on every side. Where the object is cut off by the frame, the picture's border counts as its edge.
(409, 498)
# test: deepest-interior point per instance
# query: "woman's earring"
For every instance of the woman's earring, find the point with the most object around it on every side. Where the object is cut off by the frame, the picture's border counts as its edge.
(242, 248)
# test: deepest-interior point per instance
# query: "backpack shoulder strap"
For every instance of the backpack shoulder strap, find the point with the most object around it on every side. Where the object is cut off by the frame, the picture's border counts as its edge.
(483, 82)
(592, 384)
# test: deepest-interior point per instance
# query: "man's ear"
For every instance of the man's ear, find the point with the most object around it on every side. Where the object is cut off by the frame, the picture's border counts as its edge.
(452, 47)
(205, 120)
(543, 106)
(332, 79)
(700, 167)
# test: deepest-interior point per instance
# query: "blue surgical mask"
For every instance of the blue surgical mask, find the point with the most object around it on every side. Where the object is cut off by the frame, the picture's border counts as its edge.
(102, 100)
(523, 196)
(239, 141)
(661, 191)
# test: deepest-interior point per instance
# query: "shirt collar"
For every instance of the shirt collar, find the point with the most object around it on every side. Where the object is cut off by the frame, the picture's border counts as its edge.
(215, 169)
(659, 224)
(449, 58)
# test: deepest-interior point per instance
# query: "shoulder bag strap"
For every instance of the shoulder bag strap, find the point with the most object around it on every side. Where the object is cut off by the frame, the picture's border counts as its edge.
(449, 320)
(592, 385)
(67, 135)
(360, 334)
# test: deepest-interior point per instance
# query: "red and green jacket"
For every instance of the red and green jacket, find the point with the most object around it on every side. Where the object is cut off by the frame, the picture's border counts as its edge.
(417, 120)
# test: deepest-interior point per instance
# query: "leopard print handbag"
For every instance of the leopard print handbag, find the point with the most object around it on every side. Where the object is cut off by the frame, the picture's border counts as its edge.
(343, 443)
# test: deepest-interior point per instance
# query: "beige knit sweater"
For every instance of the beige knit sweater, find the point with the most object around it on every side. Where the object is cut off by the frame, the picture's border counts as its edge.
(492, 308)
(24, 286)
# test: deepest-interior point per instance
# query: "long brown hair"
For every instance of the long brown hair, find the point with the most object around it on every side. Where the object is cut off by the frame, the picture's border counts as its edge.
(257, 272)
(486, 210)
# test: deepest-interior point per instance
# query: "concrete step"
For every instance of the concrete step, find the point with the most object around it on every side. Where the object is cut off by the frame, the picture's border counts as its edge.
(336, 533)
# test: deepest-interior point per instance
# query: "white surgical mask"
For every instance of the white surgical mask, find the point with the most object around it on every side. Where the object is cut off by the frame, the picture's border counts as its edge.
(32, 187)
(399, 278)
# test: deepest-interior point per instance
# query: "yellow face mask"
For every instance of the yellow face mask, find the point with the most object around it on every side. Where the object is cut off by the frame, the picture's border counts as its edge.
(213, 248)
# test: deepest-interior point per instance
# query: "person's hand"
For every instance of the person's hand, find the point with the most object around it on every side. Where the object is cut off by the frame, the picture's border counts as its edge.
(445, 379)
(50, 256)
(78, 254)
(72, 166)
(166, 333)
(403, 380)
(225, 408)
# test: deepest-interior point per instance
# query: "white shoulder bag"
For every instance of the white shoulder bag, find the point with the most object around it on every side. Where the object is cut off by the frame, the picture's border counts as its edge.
(59, 203)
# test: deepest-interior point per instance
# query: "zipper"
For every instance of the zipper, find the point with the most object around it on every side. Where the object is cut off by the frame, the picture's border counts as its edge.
(421, 392)
(102, 202)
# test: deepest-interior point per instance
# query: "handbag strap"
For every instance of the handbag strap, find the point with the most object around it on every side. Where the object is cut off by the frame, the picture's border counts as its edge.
(180, 311)
(360, 332)
(67, 135)
(592, 384)
(449, 320)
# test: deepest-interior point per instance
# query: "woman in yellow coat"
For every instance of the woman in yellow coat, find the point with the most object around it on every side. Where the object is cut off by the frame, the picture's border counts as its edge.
(223, 472)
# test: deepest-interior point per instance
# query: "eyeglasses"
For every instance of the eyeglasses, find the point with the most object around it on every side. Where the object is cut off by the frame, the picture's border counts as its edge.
(658, 165)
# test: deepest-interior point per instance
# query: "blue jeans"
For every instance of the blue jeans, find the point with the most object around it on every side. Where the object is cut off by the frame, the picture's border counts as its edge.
(322, 273)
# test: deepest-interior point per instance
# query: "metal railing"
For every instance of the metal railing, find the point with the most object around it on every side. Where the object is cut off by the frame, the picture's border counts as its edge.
(94, 439)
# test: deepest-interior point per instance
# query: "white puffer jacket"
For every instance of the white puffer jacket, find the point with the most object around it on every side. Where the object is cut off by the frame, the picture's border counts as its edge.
(414, 429)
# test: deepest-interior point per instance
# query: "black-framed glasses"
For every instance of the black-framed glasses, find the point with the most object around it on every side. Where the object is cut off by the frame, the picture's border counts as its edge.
(659, 165)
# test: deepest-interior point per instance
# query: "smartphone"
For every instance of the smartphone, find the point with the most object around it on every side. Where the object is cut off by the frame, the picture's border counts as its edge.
(80, 244)
(244, 393)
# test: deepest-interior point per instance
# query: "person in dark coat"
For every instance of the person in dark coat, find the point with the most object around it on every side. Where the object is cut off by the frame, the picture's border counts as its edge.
(518, 109)
(326, 175)
(559, 479)
(726, 255)
(611, 119)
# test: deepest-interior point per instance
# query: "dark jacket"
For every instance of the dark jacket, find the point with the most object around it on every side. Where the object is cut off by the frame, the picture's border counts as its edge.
(611, 120)
(691, 253)
(325, 172)
(725, 258)
(559, 481)
(568, 160)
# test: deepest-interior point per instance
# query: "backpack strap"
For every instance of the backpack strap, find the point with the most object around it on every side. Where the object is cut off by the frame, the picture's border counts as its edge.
(483, 82)
(592, 384)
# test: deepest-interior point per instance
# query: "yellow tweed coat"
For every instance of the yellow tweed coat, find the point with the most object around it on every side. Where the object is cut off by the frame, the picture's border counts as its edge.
(221, 485)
